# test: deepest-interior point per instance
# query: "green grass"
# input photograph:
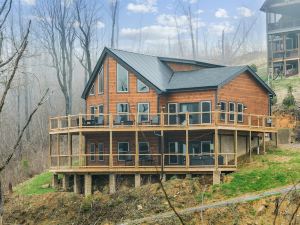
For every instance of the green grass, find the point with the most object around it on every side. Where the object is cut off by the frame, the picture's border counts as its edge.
(34, 185)
(276, 168)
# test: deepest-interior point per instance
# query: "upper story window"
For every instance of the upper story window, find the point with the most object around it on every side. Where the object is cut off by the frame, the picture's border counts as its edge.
(101, 81)
(223, 110)
(141, 87)
(123, 111)
(92, 91)
(122, 79)
(231, 111)
(143, 109)
(240, 111)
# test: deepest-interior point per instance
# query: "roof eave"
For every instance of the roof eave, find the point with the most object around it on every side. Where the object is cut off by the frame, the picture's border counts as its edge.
(191, 89)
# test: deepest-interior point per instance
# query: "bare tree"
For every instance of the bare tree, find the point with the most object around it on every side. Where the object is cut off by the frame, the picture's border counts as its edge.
(114, 9)
(87, 16)
(57, 33)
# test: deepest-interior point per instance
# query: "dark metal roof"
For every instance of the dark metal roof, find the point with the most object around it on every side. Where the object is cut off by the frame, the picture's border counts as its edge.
(155, 73)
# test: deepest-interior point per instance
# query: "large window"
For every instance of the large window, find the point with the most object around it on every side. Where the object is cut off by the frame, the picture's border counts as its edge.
(101, 109)
(172, 116)
(143, 109)
(123, 111)
(189, 107)
(122, 79)
(223, 111)
(92, 151)
(206, 111)
(123, 149)
(100, 152)
(101, 82)
(141, 87)
(201, 147)
(240, 112)
(231, 111)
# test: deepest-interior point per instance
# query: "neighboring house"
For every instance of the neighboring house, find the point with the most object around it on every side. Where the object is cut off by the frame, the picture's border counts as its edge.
(148, 113)
(283, 36)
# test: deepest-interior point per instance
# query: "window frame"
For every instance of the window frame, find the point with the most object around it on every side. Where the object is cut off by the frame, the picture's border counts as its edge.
(137, 86)
(102, 86)
(173, 114)
(210, 112)
(143, 114)
(240, 113)
(176, 152)
(127, 76)
(231, 112)
(92, 154)
(123, 113)
(123, 154)
(144, 142)
(100, 155)
(100, 105)
(92, 88)
(223, 112)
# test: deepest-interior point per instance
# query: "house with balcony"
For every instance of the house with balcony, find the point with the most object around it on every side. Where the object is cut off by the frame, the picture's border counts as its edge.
(150, 116)
(283, 33)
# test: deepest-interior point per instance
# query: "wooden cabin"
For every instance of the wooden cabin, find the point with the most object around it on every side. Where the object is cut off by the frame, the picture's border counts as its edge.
(156, 116)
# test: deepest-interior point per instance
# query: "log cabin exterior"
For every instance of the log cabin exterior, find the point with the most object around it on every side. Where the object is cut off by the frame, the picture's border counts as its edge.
(147, 114)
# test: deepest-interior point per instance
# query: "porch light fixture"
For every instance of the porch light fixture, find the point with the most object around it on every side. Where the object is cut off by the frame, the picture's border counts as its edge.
(245, 107)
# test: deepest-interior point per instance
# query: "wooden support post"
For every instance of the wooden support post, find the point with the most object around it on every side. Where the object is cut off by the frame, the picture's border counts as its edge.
(112, 183)
(162, 149)
(137, 149)
(50, 150)
(58, 150)
(250, 145)
(77, 184)
(66, 182)
(110, 150)
(235, 147)
(276, 139)
(80, 149)
(70, 148)
(55, 181)
(216, 148)
(137, 180)
(264, 142)
(87, 184)
(187, 156)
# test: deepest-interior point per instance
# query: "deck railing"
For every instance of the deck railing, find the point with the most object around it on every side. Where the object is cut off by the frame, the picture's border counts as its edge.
(160, 120)
(166, 160)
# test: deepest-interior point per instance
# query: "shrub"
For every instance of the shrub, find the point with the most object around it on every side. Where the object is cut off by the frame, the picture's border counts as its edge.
(289, 101)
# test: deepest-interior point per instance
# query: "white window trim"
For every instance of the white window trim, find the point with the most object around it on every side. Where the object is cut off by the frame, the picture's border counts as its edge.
(92, 154)
(173, 114)
(148, 114)
(123, 113)
(240, 113)
(102, 154)
(123, 154)
(231, 112)
(93, 87)
(206, 111)
(137, 87)
(99, 109)
(118, 82)
(95, 110)
(223, 111)
(100, 92)
(176, 152)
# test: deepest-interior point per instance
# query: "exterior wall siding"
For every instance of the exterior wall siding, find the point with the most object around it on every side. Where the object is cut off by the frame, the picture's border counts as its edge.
(176, 67)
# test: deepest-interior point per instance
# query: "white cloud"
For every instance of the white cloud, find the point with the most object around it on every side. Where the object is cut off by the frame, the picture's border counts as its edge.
(245, 12)
(221, 13)
(179, 21)
(100, 24)
(199, 11)
(218, 28)
(147, 6)
(150, 32)
(29, 2)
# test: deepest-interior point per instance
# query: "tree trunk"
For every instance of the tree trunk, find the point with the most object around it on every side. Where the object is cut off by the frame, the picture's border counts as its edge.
(1, 203)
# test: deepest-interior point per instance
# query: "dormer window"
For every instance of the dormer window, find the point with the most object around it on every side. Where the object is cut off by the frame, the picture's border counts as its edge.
(141, 87)
(122, 79)
(92, 91)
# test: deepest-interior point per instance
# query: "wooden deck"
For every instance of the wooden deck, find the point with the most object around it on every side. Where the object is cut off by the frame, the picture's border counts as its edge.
(83, 124)
(169, 122)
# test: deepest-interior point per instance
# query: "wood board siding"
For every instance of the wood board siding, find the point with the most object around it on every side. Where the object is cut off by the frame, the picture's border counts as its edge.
(177, 67)
(244, 89)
